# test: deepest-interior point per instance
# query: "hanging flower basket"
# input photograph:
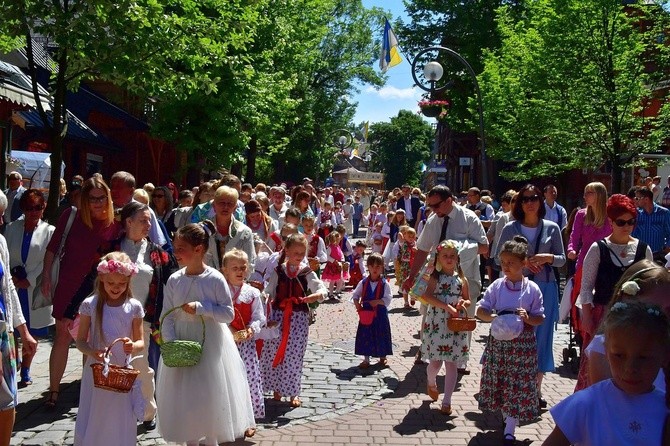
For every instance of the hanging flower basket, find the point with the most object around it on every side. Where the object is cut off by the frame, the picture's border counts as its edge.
(433, 108)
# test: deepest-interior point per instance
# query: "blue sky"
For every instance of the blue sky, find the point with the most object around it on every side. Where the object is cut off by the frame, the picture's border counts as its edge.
(398, 94)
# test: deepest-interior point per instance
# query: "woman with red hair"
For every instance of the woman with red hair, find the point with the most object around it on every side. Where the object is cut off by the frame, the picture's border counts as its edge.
(604, 263)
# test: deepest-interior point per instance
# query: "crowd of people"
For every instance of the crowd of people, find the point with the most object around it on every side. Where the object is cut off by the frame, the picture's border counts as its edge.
(236, 272)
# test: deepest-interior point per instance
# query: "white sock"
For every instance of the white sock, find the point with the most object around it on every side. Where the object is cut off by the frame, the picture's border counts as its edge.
(510, 425)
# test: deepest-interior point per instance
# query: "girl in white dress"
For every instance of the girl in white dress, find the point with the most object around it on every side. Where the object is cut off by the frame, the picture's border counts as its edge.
(248, 320)
(209, 402)
(446, 295)
(105, 417)
(626, 409)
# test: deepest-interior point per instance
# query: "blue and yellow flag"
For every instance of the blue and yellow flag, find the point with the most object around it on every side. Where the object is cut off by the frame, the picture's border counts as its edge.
(390, 55)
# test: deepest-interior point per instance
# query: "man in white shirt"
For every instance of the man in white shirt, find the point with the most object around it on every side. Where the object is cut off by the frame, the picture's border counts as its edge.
(462, 225)
(554, 211)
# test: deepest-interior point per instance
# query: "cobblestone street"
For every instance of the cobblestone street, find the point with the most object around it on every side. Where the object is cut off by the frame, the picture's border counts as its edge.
(341, 404)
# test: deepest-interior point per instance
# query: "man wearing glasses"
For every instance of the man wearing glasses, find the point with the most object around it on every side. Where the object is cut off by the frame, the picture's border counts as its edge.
(452, 222)
(653, 224)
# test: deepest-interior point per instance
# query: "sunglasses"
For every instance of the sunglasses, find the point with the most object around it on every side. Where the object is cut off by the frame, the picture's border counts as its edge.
(530, 199)
(435, 205)
(621, 222)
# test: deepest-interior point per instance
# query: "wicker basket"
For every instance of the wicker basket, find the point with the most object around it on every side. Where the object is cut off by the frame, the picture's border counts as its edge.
(241, 336)
(119, 379)
(314, 263)
(182, 353)
(465, 323)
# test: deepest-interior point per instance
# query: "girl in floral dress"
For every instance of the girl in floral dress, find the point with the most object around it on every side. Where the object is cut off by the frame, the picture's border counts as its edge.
(446, 295)
(513, 305)
(247, 322)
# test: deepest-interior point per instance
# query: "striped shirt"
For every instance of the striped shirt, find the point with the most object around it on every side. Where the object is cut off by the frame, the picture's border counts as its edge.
(653, 228)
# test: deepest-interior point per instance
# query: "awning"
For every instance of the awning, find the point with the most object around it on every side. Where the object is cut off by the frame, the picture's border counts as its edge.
(75, 129)
(16, 87)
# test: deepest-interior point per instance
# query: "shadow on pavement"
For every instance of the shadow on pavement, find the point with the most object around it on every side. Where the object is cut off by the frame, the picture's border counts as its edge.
(354, 371)
(492, 437)
(33, 413)
(424, 418)
(274, 413)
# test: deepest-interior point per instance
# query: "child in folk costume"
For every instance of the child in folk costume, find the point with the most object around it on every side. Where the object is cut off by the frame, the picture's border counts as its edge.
(347, 248)
(406, 251)
(627, 409)
(348, 212)
(275, 241)
(446, 295)
(291, 287)
(377, 239)
(106, 417)
(274, 259)
(386, 229)
(248, 320)
(332, 273)
(209, 402)
(357, 270)
(373, 295)
(338, 214)
(316, 248)
(372, 216)
(513, 305)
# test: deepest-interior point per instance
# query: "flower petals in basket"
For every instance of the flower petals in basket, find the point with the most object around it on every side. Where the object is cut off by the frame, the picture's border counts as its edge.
(112, 377)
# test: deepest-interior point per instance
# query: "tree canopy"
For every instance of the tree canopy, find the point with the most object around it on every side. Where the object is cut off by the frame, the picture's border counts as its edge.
(402, 146)
(571, 84)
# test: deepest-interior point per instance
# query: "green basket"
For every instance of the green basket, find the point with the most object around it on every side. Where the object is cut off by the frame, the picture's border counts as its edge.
(181, 353)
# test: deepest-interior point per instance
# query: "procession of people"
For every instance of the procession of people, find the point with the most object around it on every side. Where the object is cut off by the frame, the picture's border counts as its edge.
(210, 292)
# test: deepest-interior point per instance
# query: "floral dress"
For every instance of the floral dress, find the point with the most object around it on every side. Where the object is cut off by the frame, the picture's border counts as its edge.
(440, 343)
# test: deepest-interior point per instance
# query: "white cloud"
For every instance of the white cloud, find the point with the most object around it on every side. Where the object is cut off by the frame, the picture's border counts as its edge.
(391, 92)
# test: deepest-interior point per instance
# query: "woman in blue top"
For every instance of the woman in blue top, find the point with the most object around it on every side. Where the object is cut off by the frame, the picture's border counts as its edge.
(545, 251)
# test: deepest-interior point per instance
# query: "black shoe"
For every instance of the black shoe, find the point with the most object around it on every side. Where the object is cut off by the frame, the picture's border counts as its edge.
(543, 403)
(463, 371)
(509, 440)
(149, 425)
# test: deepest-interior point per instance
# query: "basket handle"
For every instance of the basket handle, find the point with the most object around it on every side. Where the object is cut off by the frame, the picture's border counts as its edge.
(202, 320)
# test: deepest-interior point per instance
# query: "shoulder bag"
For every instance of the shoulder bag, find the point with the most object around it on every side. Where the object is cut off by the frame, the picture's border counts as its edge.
(39, 299)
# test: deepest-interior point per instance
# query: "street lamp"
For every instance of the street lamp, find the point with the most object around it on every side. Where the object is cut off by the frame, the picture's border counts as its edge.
(343, 139)
(433, 71)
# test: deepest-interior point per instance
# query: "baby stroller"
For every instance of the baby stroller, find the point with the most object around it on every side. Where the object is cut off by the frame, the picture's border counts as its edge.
(571, 355)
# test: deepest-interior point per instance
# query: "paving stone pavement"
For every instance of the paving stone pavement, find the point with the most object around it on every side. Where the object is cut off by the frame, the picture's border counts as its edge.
(341, 405)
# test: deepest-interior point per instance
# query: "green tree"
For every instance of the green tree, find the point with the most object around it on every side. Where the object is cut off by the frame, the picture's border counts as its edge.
(469, 28)
(286, 95)
(402, 146)
(157, 48)
(570, 84)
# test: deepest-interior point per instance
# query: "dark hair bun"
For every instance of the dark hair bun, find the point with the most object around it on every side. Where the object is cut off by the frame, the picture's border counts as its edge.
(208, 227)
(520, 239)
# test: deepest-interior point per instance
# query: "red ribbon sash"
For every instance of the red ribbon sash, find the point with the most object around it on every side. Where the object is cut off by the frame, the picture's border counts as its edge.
(286, 305)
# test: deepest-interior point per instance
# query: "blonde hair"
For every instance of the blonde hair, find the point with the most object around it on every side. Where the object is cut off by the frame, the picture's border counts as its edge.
(102, 293)
(596, 214)
(235, 254)
(85, 207)
(437, 268)
(141, 195)
(226, 191)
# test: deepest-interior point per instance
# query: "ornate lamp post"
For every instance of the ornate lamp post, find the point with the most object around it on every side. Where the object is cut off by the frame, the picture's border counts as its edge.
(432, 72)
(343, 140)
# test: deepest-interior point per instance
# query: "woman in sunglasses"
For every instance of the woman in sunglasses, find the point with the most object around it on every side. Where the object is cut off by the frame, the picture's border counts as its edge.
(604, 263)
(27, 240)
(545, 251)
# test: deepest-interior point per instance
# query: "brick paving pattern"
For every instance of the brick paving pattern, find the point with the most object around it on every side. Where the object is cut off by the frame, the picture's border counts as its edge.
(342, 405)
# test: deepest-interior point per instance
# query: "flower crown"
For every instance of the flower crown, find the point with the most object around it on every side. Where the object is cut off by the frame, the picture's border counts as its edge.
(631, 287)
(114, 266)
(450, 244)
(623, 306)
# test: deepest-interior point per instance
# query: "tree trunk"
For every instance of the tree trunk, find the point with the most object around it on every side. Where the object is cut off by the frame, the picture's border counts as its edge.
(617, 177)
(252, 153)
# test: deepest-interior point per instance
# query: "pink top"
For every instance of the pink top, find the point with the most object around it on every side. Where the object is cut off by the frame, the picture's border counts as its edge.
(583, 236)
(335, 253)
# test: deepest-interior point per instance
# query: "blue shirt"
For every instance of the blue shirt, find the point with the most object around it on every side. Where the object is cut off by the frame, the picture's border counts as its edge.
(653, 228)
(358, 211)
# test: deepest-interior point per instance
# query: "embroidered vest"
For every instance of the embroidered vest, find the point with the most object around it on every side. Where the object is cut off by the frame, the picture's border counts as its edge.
(313, 246)
(290, 287)
(609, 273)
(242, 315)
